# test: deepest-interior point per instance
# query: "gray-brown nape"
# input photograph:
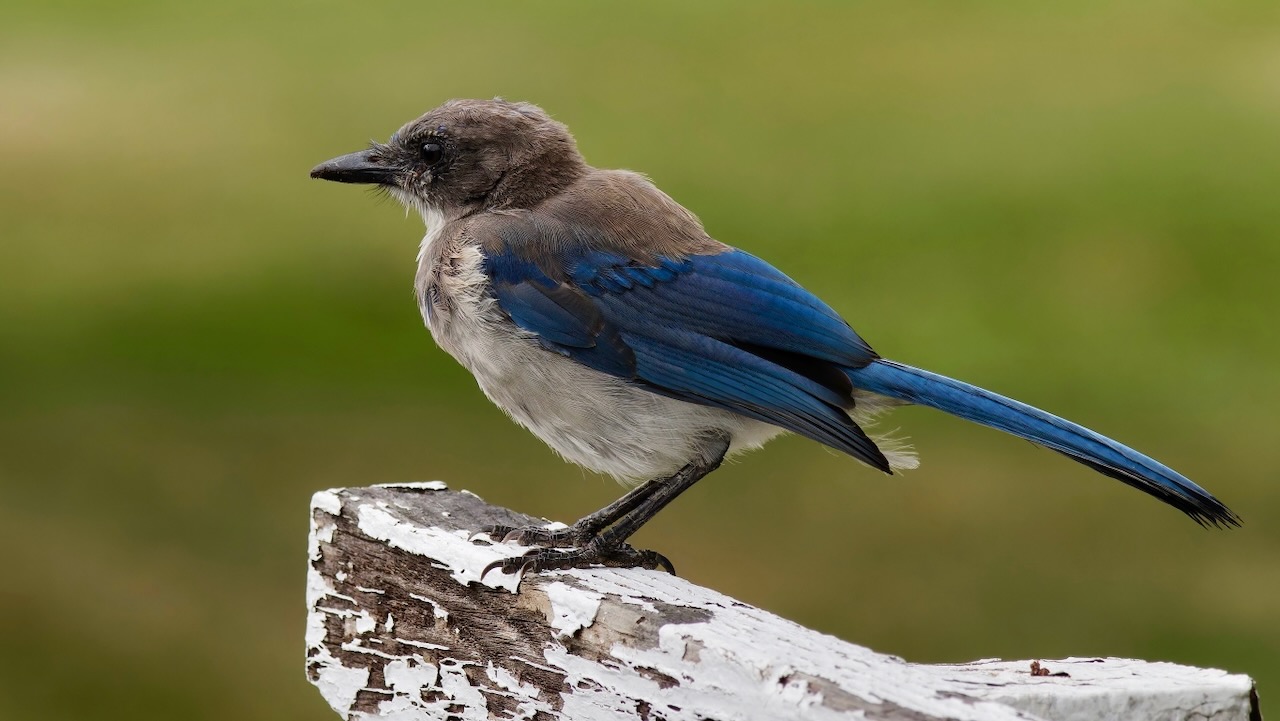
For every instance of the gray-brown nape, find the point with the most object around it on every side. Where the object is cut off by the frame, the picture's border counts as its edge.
(613, 210)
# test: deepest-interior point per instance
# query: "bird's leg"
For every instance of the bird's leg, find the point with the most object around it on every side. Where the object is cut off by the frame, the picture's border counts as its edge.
(606, 546)
(584, 530)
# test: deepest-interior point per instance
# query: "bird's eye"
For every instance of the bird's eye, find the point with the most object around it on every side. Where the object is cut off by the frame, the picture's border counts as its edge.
(431, 153)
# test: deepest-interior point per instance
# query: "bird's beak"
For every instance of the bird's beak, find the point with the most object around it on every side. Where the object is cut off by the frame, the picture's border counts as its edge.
(360, 167)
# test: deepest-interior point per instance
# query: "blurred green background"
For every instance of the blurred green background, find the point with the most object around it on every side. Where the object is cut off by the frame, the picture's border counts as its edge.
(1074, 205)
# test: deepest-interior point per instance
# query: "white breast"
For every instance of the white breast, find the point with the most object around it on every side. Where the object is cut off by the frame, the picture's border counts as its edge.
(590, 418)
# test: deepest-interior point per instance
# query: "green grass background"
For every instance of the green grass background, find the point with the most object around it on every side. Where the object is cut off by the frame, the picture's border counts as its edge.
(1073, 204)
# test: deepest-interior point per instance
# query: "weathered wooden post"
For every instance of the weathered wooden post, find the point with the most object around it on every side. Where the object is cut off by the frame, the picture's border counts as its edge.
(401, 626)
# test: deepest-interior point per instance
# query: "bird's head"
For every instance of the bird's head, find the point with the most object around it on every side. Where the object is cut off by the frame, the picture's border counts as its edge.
(466, 156)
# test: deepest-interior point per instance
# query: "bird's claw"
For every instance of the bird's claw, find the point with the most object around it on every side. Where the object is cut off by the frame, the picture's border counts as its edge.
(567, 537)
(592, 555)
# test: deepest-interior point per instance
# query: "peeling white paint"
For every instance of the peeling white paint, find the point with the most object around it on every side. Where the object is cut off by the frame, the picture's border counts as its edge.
(530, 704)
(334, 594)
(389, 624)
(417, 485)
(343, 613)
(410, 676)
(453, 550)
(362, 589)
(507, 681)
(423, 644)
(320, 533)
(437, 610)
(571, 609)
(357, 647)
(339, 684)
(1107, 688)
(365, 622)
(327, 501)
(533, 664)
(633, 585)
(455, 684)
(317, 588)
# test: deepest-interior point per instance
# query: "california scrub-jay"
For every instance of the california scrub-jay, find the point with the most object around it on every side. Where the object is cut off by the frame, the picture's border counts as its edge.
(597, 312)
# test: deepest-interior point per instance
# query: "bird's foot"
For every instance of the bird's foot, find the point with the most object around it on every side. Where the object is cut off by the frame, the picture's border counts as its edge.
(592, 554)
(567, 537)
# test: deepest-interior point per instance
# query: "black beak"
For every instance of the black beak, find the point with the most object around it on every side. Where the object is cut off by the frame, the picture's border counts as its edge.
(361, 167)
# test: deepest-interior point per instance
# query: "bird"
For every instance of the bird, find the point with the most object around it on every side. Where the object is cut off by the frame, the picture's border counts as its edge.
(599, 314)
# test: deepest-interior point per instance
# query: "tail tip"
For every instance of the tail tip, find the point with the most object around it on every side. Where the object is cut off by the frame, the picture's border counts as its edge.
(1213, 514)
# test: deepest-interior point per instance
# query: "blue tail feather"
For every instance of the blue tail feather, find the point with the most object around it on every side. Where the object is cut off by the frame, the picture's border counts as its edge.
(1104, 455)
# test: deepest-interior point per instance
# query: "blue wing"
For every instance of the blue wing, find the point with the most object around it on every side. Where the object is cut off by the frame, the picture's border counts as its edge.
(724, 330)
(728, 330)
